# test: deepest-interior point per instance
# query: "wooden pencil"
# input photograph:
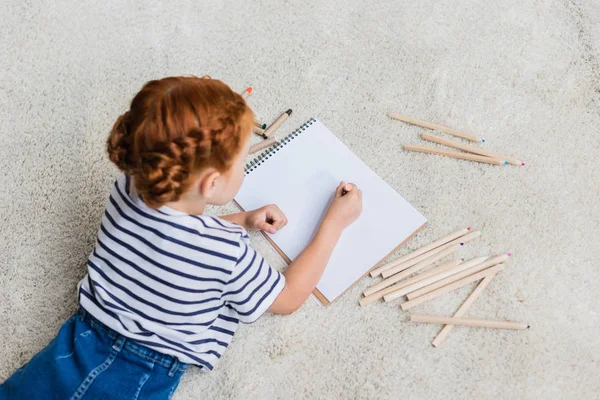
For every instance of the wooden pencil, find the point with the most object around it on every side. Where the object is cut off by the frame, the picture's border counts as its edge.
(435, 127)
(422, 250)
(275, 125)
(439, 275)
(262, 145)
(463, 309)
(480, 323)
(417, 267)
(378, 295)
(454, 154)
(258, 130)
(453, 278)
(246, 92)
(470, 149)
(453, 286)
(461, 240)
(404, 266)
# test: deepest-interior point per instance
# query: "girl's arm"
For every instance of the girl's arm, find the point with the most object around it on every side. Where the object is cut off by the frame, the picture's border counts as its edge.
(268, 218)
(306, 270)
(237, 218)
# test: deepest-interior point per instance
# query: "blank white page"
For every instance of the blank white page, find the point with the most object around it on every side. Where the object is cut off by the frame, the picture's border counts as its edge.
(301, 179)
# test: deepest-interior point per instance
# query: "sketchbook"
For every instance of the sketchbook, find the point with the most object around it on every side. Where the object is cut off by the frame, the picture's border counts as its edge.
(300, 174)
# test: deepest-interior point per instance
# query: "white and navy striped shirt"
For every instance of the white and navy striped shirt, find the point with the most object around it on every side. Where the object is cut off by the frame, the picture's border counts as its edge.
(174, 282)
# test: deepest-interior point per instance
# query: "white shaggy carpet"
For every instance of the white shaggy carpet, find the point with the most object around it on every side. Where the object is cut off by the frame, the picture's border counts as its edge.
(524, 74)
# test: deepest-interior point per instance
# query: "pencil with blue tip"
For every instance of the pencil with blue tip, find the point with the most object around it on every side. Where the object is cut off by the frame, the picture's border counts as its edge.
(470, 149)
(435, 127)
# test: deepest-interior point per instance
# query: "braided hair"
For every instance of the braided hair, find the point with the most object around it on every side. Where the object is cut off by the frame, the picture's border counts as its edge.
(175, 127)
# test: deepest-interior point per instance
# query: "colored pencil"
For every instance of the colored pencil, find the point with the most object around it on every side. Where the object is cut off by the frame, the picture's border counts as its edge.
(422, 250)
(417, 267)
(470, 149)
(461, 240)
(435, 127)
(378, 295)
(463, 309)
(479, 323)
(258, 130)
(453, 286)
(246, 92)
(453, 278)
(262, 145)
(418, 282)
(275, 125)
(454, 154)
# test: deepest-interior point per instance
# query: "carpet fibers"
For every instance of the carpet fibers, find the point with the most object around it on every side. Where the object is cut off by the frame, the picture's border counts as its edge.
(523, 74)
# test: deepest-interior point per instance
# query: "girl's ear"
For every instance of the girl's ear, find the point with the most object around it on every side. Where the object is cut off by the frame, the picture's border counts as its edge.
(209, 184)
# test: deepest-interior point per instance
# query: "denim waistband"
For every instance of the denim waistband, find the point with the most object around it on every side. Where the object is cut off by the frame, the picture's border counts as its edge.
(147, 353)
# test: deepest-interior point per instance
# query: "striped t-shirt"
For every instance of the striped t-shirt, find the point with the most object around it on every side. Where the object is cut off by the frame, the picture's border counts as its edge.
(174, 282)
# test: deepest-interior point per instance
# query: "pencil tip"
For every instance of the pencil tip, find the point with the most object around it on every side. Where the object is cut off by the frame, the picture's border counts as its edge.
(483, 140)
(249, 90)
(505, 162)
(522, 164)
(509, 254)
(462, 244)
(528, 326)
(469, 228)
(481, 231)
(289, 112)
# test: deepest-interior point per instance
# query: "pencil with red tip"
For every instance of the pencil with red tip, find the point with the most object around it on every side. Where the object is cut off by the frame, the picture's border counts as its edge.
(247, 92)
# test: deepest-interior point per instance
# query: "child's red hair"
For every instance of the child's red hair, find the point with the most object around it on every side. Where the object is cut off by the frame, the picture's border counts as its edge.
(175, 127)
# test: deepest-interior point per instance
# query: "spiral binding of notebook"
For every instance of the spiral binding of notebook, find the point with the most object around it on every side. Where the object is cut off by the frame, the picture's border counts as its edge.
(268, 153)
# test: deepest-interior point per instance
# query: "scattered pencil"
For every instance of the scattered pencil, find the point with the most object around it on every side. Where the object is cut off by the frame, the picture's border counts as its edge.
(435, 127)
(405, 280)
(246, 92)
(430, 277)
(470, 149)
(417, 267)
(258, 131)
(481, 323)
(459, 275)
(262, 145)
(463, 309)
(461, 240)
(420, 251)
(383, 293)
(455, 154)
(453, 286)
(275, 125)
(259, 124)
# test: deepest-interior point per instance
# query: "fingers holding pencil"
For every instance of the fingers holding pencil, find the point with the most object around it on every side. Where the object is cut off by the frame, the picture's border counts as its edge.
(345, 208)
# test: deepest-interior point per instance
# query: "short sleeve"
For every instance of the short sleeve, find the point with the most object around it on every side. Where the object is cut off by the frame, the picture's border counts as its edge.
(253, 286)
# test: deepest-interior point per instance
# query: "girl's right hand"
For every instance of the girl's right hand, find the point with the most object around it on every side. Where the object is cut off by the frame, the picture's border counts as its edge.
(345, 207)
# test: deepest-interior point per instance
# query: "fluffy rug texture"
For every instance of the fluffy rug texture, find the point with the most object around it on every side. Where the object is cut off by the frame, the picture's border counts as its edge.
(523, 74)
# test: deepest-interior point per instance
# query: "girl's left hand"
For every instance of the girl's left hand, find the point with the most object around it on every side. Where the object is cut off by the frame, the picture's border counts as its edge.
(268, 218)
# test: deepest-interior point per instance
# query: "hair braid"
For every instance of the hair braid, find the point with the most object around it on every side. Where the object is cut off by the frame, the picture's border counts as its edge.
(175, 127)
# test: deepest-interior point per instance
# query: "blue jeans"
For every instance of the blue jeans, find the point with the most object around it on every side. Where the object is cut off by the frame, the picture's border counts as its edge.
(88, 360)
